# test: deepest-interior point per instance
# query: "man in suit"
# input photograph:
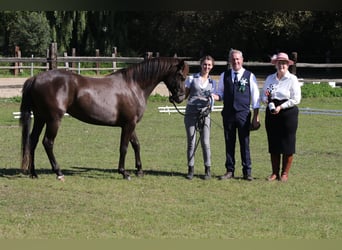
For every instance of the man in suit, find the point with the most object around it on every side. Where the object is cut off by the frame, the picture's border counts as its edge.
(238, 89)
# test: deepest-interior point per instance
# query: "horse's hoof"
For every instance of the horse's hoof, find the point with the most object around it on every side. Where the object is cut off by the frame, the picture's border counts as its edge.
(139, 174)
(127, 177)
(61, 178)
(33, 176)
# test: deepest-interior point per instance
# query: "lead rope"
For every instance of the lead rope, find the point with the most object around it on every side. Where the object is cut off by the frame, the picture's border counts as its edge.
(174, 104)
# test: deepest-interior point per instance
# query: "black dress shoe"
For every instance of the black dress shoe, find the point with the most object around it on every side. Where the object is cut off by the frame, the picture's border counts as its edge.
(227, 175)
(248, 177)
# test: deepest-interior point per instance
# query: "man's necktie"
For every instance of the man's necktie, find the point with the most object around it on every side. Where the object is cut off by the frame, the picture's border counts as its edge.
(235, 78)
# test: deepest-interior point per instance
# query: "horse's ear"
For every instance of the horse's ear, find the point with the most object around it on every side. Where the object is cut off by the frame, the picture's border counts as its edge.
(181, 64)
(183, 68)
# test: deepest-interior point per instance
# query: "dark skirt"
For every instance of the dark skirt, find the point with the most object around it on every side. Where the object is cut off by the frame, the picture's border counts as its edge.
(281, 130)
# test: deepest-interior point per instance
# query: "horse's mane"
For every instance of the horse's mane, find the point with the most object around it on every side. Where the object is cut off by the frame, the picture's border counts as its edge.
(150, 68)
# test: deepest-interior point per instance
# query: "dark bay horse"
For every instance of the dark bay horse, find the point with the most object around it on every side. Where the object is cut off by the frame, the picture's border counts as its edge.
(117, 100)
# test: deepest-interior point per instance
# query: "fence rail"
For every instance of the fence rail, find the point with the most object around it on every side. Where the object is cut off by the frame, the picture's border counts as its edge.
(52, 61)
(18, 63)
(218, 108)
(74, 63)
(76, 59)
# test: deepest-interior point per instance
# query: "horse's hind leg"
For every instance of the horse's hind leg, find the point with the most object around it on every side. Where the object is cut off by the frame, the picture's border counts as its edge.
(136, 147)
(34, 137)
(48, 142)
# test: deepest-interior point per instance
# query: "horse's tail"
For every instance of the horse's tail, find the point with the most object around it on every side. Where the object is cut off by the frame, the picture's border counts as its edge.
(25, 122)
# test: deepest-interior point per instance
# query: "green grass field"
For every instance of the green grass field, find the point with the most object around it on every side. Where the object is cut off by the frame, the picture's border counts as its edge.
(95, 202)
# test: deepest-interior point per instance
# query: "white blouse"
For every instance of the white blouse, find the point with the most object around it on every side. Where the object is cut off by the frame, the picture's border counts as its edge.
(286, 88)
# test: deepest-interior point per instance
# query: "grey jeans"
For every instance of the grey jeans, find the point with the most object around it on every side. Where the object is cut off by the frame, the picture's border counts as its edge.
(191, 133)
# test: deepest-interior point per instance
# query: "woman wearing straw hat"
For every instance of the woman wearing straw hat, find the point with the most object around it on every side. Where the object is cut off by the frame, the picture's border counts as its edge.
(282, 94)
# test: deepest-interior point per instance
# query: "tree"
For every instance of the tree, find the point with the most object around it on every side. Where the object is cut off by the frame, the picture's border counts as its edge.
(31, 32)
(259, 34)
(67, 28)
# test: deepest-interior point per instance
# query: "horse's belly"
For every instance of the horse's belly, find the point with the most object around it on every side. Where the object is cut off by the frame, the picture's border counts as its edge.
(98, 106)
(98, 119)
(94, 114)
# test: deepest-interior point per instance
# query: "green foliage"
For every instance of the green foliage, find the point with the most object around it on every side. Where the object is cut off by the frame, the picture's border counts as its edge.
(67, 27)
(320, 90)
(31, 32)
(157, 98)
(16, 99)
(188, 33)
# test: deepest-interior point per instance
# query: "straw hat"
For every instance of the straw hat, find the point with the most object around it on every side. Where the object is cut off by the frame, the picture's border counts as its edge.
(281, 57)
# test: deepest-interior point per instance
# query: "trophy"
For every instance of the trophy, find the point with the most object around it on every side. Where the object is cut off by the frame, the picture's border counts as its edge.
(271, 104)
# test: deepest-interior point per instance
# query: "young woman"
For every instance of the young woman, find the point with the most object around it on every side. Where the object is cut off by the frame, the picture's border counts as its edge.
(199, 88)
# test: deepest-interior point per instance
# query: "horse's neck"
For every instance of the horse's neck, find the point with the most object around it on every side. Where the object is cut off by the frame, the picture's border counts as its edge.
(150, 80)
(148, 88)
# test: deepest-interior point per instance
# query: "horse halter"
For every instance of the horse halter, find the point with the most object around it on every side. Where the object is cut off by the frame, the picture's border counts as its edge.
(176, 98)
(176, 92)
(177, 88)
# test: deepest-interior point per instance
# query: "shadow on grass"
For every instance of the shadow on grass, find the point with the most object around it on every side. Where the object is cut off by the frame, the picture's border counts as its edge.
(88, 172)
(99, 173)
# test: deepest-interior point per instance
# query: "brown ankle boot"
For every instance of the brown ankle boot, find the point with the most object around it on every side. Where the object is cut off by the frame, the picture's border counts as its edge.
(287, 162)
(275, 161)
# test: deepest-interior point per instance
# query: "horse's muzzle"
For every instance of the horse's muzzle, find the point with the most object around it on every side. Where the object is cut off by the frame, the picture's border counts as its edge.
(177, 99)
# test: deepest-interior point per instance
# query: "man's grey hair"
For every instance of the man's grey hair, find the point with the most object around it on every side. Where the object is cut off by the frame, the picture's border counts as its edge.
(233, 51)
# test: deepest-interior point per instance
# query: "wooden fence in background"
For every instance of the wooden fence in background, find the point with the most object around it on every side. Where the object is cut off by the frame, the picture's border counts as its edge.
(81, 63)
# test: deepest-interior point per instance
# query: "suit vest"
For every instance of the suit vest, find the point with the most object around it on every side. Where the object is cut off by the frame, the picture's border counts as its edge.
(235, 98)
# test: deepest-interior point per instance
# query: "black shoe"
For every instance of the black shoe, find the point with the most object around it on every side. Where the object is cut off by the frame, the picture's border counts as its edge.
(207, 174)
(190, 173)
(248, 177)
(227, 175)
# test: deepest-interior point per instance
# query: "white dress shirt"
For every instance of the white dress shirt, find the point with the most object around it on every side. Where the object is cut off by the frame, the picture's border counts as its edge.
(286, 88)
(253, 85)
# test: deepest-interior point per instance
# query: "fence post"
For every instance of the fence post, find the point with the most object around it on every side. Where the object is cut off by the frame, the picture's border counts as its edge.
(73, 53)
(114, 53)
(294, 56)
(47, 59)
(17, 54)
(66, 63)
(32, 66)
(148, 55)
(53, 56)
(97, 54)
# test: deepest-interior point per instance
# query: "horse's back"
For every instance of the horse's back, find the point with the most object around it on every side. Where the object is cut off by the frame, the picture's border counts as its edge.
(93, 100)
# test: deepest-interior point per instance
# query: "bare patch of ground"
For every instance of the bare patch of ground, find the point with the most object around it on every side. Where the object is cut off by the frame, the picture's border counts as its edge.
(11, 87)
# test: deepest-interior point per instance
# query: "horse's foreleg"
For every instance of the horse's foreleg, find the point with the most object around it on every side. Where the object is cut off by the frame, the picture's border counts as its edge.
(48, 142)
(136, 147)
(126, 134)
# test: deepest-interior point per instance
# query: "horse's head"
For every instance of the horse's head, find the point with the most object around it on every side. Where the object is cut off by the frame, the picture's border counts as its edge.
(175, 82)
